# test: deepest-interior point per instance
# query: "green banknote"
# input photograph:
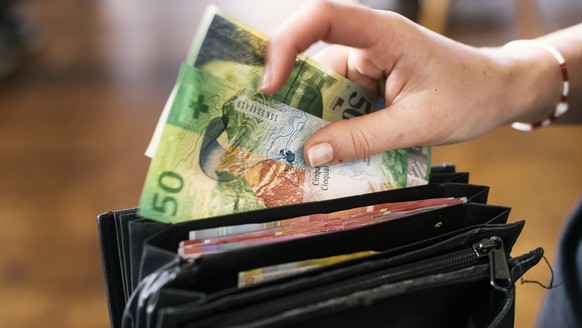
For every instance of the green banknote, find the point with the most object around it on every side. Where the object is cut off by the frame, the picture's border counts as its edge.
(211, 156)
(226, 148)
(234, 51)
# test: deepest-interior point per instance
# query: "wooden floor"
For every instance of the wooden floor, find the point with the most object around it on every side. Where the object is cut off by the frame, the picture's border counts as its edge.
(75, 121)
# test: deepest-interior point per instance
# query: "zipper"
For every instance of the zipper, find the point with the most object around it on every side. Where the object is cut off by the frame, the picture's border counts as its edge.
(499, 274)
(492, 248)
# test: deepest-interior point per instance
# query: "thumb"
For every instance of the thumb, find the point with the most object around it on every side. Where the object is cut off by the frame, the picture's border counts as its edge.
(363, 136)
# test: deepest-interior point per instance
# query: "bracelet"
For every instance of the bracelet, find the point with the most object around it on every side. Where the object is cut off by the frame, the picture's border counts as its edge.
(562, 106)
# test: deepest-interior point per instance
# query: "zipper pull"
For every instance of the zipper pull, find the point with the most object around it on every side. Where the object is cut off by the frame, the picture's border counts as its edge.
(500, 276)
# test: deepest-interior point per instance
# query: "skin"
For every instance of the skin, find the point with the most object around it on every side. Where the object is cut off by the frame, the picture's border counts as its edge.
(437, 91)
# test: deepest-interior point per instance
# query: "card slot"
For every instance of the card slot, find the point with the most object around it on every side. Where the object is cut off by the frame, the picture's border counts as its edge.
(220, 271)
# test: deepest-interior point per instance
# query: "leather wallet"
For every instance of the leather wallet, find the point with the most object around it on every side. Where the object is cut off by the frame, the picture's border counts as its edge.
(448, 267)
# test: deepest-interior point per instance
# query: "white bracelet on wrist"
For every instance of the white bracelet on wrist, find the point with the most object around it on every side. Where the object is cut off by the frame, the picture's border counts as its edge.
(562, 106)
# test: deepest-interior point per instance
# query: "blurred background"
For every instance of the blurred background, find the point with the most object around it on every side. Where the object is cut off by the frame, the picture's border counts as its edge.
(83, 83)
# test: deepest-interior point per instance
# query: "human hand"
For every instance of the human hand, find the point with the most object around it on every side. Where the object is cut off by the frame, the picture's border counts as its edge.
(437, 91)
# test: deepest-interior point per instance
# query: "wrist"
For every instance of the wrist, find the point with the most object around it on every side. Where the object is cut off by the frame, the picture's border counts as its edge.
(532, 84)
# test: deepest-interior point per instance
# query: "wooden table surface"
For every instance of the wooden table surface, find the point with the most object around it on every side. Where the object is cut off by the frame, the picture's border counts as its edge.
(76, 119)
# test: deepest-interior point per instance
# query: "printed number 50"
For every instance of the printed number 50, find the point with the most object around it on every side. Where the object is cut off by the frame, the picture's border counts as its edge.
(358, 108)
(172, 183)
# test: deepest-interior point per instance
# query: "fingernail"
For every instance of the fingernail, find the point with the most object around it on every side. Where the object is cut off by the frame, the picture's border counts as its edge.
(320, 154)
(266, 80)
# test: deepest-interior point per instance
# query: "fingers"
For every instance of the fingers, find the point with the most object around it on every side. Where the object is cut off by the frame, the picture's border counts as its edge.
(335, 58)
(345, 61)
(363, 136)
(368, 50)
(321, 20)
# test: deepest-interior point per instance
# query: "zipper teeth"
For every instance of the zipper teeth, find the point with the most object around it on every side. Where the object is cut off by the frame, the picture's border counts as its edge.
(347, 287)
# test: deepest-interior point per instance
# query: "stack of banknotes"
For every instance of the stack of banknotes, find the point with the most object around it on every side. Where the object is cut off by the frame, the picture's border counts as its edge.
(223, 147)
(215, 240)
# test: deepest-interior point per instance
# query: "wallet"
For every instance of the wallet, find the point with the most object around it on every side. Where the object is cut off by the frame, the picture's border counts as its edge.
(447, 267)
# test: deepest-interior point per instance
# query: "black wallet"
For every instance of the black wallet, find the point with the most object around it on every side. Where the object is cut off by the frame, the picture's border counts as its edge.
(448, 267)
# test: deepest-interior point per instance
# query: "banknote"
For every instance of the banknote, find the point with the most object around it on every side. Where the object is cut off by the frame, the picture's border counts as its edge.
(226, 149)
(316, 221)
(309, 225)
(234, 51)
(255, 276)
(206, 234)
(195, 249)
(246, 174)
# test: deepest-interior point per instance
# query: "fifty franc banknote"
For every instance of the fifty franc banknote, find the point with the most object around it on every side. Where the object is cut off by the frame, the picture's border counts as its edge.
(225, 149)
(229, 49)
(234, 51)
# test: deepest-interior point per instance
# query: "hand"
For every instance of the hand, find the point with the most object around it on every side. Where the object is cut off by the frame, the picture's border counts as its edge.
(437, 91)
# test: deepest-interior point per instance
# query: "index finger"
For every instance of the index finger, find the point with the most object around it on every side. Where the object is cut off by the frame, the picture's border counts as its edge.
(347, 25)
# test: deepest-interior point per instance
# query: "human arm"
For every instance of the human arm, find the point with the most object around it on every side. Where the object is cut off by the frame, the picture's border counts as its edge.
(437, 91)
